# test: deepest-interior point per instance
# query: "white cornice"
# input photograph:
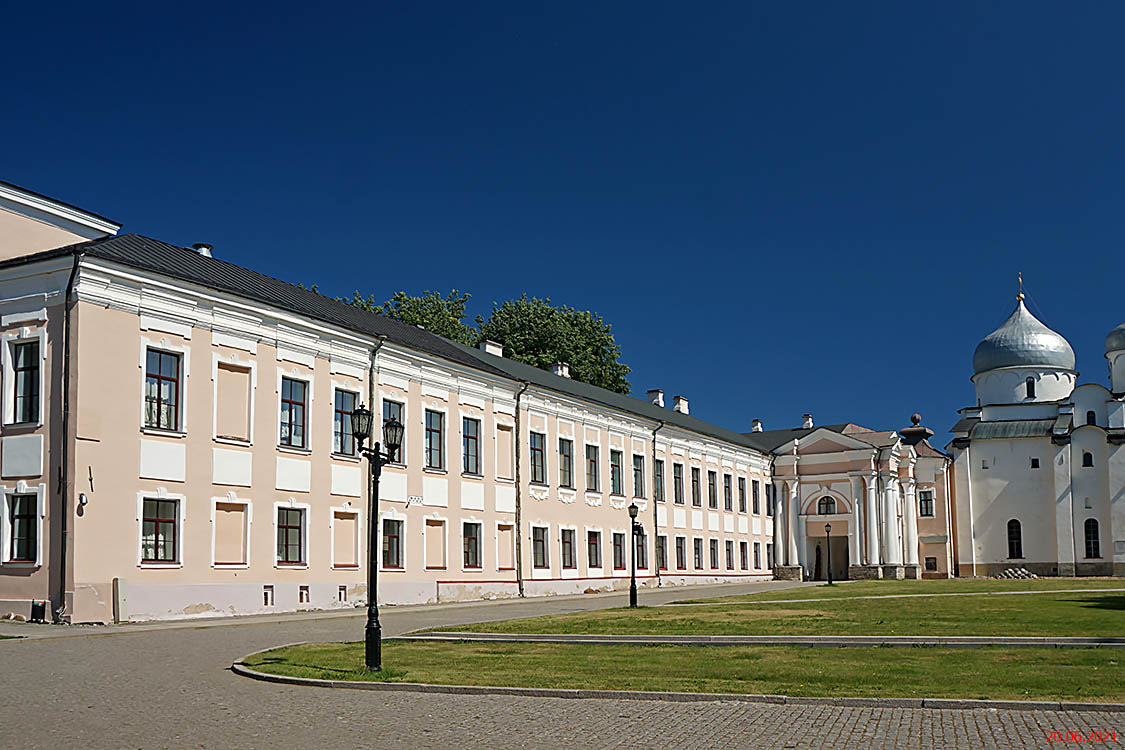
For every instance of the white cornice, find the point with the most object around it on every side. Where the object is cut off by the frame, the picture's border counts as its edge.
(57, 214)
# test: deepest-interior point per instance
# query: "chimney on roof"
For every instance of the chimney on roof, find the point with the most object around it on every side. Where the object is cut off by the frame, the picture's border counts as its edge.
(807, 424)
(756, 425)
(656, 397)
(562, 369)
(203, 249)
(491, 347)
(680, 404)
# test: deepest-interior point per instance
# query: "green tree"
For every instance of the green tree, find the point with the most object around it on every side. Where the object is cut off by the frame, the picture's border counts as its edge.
(444, 316)
(538, 333)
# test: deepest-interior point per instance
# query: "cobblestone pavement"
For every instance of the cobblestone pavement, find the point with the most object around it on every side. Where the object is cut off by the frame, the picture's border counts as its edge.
(169, 687)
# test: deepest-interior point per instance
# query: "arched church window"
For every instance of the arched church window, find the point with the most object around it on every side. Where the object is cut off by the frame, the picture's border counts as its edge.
(1030, 383)
(1091, 417)
(1015, 539)
(826, 506)
(1087, 458)
(1093, 544)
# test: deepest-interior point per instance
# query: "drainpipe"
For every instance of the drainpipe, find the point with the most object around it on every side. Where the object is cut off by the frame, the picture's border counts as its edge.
(519, 493)
(64, 473)
(655, 528)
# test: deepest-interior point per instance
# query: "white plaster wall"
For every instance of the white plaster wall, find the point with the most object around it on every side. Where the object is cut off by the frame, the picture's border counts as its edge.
(1008, 385)
(1008, 489)
(1090, 489)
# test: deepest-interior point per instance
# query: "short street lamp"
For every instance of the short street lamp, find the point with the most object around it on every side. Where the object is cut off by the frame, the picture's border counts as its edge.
(828, 544)
(633, 510)
(376, 458)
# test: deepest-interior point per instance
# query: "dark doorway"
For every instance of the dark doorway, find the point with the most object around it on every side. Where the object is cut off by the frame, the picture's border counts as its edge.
(818, 570)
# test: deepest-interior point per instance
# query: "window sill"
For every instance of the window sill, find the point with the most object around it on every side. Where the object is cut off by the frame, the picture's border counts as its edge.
(20, 564)
(432, 470)
(506, 480)
(23, 425)
(539, 484)
(477, 569)
(160, 565)
(391, 569)
(230, 566)
(291, 566)
(295, 451)
(232, 441)
(509, 569)
(345, 567)
(438, 567)
(471, 475)
(346, 457)
(163, 433)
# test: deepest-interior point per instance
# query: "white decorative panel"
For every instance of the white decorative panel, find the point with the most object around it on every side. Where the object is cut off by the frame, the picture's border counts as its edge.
(159, 460)
(293, 474)
(728, 523)
(697, 519)
(679, 518)
(470, 400)
(336, 367)
(290, 355)
(231, 467)
(394, 381)
(505, 498)
(661, 515)
(435, 392)
(235, 342)
(435, 491)
(472, 495)
(392, 486)
(757, 525)
(22, 456)
(742, 525)
(712, 521)
(347, 480)
(151, 323)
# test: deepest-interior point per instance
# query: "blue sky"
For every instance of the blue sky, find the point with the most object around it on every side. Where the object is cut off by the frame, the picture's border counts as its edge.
(780, 208)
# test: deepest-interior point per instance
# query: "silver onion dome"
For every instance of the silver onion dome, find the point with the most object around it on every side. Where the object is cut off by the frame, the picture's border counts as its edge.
(1023, 341)
(1115, 341)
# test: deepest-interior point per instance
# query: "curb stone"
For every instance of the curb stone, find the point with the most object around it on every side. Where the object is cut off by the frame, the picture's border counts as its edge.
(241, 669)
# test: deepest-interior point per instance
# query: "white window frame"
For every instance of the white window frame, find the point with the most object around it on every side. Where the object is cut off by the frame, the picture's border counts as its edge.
(444, 412)
(185, 370)
(6, 493)
(306, 524)
(426, 544)
(234, 361)
(346, 508)
(576, 571)
(377, 427)
(510, 525)
(613, 571)
(392, 515)
(497, 425)
(181, 514)
(248, 520)
(537, 572)
(601, 550)
(375, 423)
(22, 336)
(308, 379)
(480, 541)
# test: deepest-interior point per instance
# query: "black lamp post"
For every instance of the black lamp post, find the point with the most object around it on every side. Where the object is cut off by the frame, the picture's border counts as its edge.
(828, 544)
(376, 458)
(633, 510)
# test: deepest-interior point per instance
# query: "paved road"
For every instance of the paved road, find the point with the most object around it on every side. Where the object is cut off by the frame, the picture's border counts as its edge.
(169, 687)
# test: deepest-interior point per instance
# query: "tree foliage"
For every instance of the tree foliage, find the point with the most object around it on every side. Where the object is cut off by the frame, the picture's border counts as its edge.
(531, 330)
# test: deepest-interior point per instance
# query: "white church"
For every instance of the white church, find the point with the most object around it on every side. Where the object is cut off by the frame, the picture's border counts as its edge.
(1039, 468)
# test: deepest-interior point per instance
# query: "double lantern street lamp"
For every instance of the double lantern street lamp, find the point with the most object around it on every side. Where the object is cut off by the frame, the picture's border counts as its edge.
(636, 527)
(828, 544)
(377, 458)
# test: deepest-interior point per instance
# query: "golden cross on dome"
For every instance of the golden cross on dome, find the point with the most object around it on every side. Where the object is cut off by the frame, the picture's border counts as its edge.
(1019, 277)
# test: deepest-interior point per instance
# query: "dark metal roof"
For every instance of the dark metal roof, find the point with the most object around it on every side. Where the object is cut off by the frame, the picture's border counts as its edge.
(964, 424)
(158, 257)
(771, 440)
(1024, 428)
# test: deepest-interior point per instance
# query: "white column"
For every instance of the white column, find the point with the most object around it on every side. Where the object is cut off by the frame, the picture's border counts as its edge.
(873, 556)
(910, 509)
(779, 545)
(791, 514)
(892, 542)
(855, 530)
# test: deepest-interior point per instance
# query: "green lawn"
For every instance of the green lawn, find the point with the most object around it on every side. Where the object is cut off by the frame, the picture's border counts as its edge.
(1028, 674)
(836, 613)
(926, 586)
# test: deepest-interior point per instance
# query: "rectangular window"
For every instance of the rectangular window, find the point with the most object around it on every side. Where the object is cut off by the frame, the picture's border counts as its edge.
(658, 480)
(696, 490)
(267, 596)
(769, 555)
(594, 549)
(593, 471)
(470, 446)
(638, 476)
(729, 549)
(470, 542)
(341, 593)
(662, 552)
(769, 499)
(931, 564)
(538, 444)
(743, 558)
(162, 388)
(926, 503)
(392, 543)
(616, 473)
(435, 440)
(505, 463)
(434, 539)
(232, 410)
(697, 553)
(392, 410)
(539, 551)
(742, 494)
(23, 532)
(1035, 463)
(757, 555)
(345, 539)
(712, 490)
(230, 534)
(641, 549)
(290, 536)
(681, 553)
(728, 500)
(302, 594)
(159, 531)
(678, 484)
(756, 491)
(343, 442)
(569, 561)
(25, 367)
(566, 463)
(618, 551)
(294, 400)
(714, 554)
(506, 547)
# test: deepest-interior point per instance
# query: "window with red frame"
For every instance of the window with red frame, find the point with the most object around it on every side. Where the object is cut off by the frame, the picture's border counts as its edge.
(290, 529)
(159, 523)
(162, 390)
